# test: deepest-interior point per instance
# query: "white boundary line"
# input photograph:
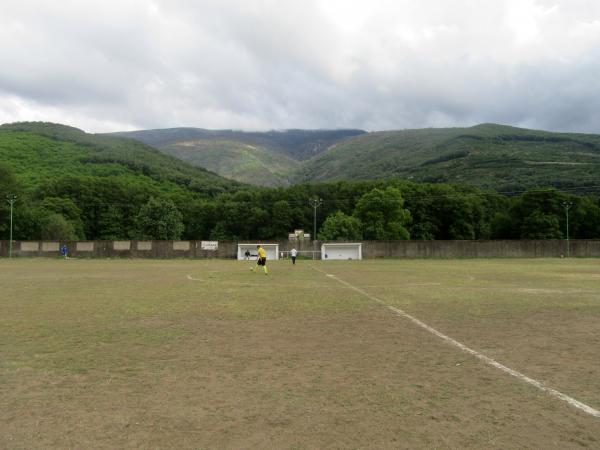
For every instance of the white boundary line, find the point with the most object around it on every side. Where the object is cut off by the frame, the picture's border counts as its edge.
(571, 401)
(190, 277)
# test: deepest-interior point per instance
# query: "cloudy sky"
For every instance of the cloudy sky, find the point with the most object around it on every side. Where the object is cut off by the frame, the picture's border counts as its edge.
(273, 64)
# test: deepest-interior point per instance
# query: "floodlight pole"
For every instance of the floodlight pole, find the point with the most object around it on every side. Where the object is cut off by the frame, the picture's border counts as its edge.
(567, 206)
(315, 203)
(11, 199)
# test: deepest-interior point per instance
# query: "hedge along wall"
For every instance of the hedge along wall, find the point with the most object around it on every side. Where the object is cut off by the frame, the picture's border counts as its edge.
(370, 249)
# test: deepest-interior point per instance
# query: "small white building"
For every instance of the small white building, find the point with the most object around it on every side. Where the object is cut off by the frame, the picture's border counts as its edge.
(271, 249)
(341, 251)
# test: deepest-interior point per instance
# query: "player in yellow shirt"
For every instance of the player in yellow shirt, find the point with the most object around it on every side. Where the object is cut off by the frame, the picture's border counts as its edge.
(262, 259)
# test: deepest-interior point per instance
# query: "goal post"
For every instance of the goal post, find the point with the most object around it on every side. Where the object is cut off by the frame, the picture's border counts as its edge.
(301, 254)
(271, 249)
(341, 251)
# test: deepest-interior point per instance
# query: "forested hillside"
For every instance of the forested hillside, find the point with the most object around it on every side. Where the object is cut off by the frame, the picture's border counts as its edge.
(72, 185)
(95, 183)
(236, 161)
(39, 150)
(490, 156)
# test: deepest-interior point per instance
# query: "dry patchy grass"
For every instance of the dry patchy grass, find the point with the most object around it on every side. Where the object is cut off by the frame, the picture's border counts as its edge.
(206, 354)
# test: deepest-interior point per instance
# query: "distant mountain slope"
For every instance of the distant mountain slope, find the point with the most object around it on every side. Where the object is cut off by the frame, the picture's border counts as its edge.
(39, 151)
(266, 158)
(236, 161)
(297, 144)
(487, 155)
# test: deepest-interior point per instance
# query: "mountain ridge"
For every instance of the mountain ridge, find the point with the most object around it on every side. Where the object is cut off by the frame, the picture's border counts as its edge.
(486, 155)
(275, 155)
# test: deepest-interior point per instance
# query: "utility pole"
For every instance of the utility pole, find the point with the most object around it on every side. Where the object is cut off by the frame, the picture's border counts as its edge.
(11, 199)
(567, 206)
(315, 203)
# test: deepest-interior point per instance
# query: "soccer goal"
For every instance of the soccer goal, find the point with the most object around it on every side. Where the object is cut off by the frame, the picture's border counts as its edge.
(301, 254)
(342, 251)
(271, 249)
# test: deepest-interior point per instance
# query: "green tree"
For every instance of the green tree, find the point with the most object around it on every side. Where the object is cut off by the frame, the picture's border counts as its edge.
(159, 219)
(584, 219)
(219, 232)
(539, 214)
(8, 186)
(110, 224)
(541, 226)
(55, 227)
(548, 201)
(201, 219)
(423, 231)
(27, 220)
(340, 226)
(235, 220)
(503, 226)
(68, 210)
(281, 219)
(259, 221)
(382, 215)
(8, 181)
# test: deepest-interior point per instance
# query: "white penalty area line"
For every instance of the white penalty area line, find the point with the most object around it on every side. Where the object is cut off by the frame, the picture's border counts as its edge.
(553, 392)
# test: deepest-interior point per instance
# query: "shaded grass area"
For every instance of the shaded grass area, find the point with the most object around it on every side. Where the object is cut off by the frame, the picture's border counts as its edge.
(206, 354)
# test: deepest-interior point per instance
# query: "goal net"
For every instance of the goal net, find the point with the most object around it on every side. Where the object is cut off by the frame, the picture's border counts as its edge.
(301, 254)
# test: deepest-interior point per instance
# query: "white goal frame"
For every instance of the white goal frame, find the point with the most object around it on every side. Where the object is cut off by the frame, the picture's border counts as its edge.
(271, 249)
(334, 251)
(302, 254)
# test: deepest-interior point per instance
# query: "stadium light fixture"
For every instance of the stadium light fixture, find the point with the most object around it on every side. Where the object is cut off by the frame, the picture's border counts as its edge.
(567, 206)
(315, 203)
(11, 199)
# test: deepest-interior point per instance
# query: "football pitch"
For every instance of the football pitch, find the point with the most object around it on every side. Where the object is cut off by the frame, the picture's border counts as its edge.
(356, 354)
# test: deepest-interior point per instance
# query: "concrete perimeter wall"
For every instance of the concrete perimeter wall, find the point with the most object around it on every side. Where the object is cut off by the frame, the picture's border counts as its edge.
(370, 249)
(480, 249)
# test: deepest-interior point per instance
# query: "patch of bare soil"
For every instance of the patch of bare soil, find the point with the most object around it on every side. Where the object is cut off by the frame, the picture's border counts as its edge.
(368, 380)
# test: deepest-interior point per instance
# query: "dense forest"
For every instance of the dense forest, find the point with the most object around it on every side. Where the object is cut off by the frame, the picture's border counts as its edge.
(72, 185)
(489, 156)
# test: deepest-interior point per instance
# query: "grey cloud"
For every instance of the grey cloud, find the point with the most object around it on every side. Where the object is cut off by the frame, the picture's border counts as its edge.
(260, 64)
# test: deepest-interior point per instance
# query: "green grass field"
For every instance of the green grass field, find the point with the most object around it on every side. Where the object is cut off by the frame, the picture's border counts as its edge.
(207, 354)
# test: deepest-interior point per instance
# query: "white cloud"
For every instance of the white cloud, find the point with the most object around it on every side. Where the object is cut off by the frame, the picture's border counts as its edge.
(259, 64)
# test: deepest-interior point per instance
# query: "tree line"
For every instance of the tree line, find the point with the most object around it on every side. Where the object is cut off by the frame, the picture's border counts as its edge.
(112, 208)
